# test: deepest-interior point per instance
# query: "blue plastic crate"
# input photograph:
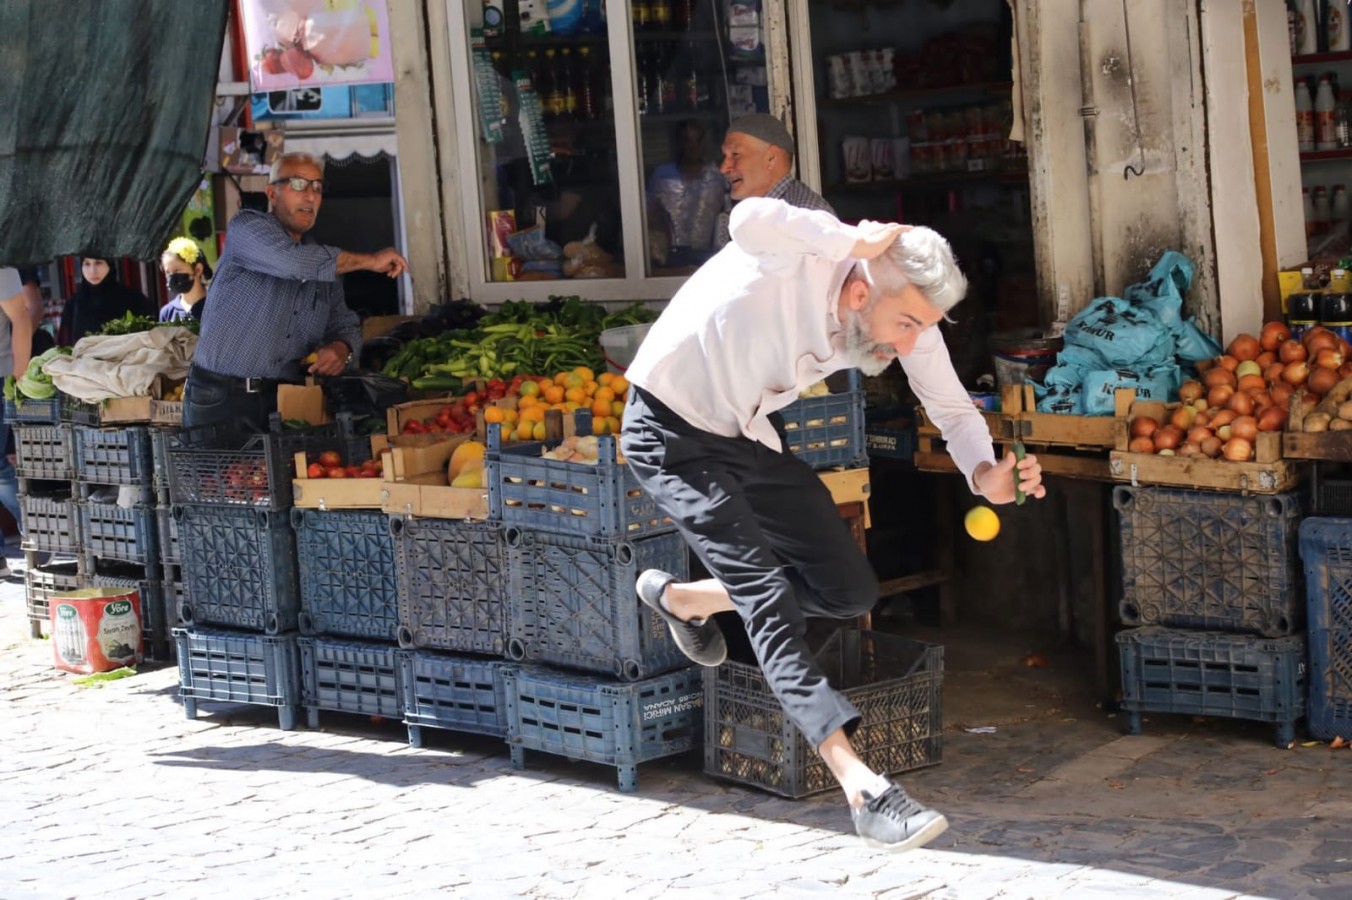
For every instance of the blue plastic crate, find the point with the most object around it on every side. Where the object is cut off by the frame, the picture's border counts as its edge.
(118, 533)
(896, 684)
(160, 441)
(452, 585)
(826, 432)
(890, 434)
(347, 573)
(1326, 549)
(350, 677)
(113, 455)
(167, 529)
(42, 582)
(34, 411)
(51, 522)
(456, 693)
(175, 595)
(604, 500)
(1210, 560)
(587, 717)
(226, 466)
(239, 668)
(154, 630)
(1204, 673)
(573, 603)
(43, 451)
(239, 566)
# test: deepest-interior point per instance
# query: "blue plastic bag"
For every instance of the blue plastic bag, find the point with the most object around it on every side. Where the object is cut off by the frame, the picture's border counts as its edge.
(1158, 383)
(1162, 293)
(1124, 335)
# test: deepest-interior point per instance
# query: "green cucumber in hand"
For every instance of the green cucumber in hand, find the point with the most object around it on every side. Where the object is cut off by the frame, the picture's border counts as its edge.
(1019, 454)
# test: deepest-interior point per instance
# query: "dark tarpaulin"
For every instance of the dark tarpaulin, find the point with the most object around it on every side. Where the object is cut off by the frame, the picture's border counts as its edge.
(104, 113)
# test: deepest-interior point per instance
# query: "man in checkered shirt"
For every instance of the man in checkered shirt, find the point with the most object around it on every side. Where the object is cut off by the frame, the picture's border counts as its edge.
(758, 162)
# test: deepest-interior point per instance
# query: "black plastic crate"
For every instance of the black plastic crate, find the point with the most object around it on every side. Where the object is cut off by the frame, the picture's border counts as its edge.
(46, 412)
(154, 629)
(239, 668)
(452, 585)
(348, 584)
(175, 595)
(226, 466)
(1332, 497)
(601, 500)
(828, 431)
(1209, 673)
(1211, 560)
(896, 683)
(452, 692)
(239, 566)
(581, 716)
(51, 522)
(119, 533)
(573, 603)
(78, 412)
(166, 526)
(43, 451)
(1326, 550)
(890, 433)
(161, 439)
(42, 582)
(349, 677)
(113, 455)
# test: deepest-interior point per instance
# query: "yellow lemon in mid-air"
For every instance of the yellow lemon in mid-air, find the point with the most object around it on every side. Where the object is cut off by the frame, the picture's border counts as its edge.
(982, 523)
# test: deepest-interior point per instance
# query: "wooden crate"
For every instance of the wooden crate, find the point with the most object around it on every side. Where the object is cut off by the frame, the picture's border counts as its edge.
(1055, 429)
(416, 482)
(849, 486)
(1334, 446)
(335, 493)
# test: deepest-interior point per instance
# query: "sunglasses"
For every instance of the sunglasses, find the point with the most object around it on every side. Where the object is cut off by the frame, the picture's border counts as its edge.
(298, 184)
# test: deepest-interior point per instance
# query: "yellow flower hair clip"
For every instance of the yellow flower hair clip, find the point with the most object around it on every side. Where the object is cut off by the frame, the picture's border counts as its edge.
(185, 249)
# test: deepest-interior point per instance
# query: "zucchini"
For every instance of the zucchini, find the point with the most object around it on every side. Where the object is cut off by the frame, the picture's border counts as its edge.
(1019, 454)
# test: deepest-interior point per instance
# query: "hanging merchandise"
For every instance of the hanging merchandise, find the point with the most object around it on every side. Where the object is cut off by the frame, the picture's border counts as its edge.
(1304, 116)
(533, 128)
(486, 83)
(1325, 136)
(1336, 23)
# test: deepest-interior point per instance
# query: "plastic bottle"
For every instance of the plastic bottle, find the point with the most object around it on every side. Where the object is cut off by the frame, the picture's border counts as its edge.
(1342, 123)
(1322, 212)
(1339, 209)
(1308, 203)
(1325, 107)
(1337, 26)
(1304, 116)
(1292, 35)
(1307, 25)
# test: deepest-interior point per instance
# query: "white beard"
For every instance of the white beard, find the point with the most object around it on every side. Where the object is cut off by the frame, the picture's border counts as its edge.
(860, 348)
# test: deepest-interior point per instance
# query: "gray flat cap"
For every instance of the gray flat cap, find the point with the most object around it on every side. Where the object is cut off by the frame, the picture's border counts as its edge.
(765, 127)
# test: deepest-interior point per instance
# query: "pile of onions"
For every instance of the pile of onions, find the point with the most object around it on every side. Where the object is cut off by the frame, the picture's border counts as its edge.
(1246, 390)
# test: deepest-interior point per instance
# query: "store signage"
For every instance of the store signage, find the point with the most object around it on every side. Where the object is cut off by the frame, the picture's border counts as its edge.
(312, 43)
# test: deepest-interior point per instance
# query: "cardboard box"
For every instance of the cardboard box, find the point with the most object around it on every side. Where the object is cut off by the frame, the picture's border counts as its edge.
(304, 402)
(151, 408)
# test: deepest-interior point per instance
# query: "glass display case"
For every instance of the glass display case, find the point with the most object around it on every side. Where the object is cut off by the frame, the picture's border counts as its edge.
(590, 153)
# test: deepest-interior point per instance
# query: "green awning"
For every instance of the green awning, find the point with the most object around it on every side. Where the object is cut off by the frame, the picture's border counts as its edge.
(105, 107)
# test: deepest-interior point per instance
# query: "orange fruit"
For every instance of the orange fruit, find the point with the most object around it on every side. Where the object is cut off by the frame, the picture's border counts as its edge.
(615, 424)
(561, 377)
(573, 380)
(554, 394)
(533, 414)
(572, 406)
(585, 373)
(619, 384)
(600, 409)
(530, 389)
(600, 426)
(495, 414)
(603, 393)
(605, 378)
(525, 429)
(575, 395)
(526, 403)
(617, 408)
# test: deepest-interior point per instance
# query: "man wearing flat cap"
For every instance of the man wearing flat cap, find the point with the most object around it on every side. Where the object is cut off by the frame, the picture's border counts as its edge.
(758, 162)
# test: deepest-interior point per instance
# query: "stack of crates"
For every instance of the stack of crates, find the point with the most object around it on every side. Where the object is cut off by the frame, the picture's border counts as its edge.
(231, 502)
(1213, 582)
(1326, 552)
(44, 463)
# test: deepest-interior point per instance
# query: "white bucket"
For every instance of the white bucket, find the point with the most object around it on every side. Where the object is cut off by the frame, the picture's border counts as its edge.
(620, 345)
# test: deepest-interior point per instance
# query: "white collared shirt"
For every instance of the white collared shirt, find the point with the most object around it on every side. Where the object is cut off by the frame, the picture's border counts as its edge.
(758, 323)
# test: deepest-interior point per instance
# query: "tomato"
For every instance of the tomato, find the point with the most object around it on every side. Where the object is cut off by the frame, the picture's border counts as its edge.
(330, 458)
(413, 426)
(315, 470)
(337, 472)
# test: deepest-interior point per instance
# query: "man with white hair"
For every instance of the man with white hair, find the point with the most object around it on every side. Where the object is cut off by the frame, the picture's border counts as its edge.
(277, 298)
(796, 296)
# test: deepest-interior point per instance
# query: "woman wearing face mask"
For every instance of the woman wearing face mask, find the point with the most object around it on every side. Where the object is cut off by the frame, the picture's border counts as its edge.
(99, 299)
(186, 271)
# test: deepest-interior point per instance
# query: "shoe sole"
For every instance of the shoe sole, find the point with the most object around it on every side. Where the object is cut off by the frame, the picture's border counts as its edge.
(919, 839)
(672, 624)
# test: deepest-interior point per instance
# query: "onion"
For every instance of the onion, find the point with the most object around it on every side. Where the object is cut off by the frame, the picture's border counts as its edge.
(1225, 432)
(1291, 351)
(1202, 420)
(1252, 383)
(1237, 450)
(1141, 445)
(1296, 373)
(1281, 393)
(1189, 390)
(1273, 334)
(1328, 358)
(1245, 428)
(1212, 447)
(1241, 403)
(1272, 419)
(1345, 348)
(1143, 426)
(1261, 399)
(1182, 418)
(1227, 362)
(1167, 438)
(1201, 405)
(1219, 395)
(1321, 381)
(1224, 417)
(1199, 433)
(1266, 358)
(1248, 367)
(1219, 375)
(1204, 365)
(1273, 373)
(1318, 336)
(1189, 449)
(1167, 451)
(1244, 346)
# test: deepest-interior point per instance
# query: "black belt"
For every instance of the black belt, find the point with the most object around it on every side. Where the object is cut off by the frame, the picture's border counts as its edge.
(248, 385)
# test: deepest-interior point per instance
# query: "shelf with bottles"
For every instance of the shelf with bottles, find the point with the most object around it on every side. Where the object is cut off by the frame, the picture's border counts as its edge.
(930, 94)
(1326, 155)
(932, 180)
(1321, 59)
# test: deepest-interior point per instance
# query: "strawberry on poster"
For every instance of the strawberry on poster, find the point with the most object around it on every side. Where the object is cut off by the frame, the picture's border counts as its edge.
(300, 43)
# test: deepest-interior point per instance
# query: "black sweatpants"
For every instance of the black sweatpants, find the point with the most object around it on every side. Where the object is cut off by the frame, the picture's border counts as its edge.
(766, 527)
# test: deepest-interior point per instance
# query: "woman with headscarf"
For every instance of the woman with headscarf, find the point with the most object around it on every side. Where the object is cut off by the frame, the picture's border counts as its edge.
(99, 299)
(186, 271)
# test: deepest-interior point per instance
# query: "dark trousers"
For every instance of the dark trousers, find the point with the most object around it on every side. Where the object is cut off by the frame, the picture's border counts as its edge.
(767, 528)
(212, 399)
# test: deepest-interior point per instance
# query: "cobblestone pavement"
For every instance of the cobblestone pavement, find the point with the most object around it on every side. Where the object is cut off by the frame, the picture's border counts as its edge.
(112, 792)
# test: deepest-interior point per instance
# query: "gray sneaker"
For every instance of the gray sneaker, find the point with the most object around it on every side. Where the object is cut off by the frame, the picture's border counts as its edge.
(702, 642)
(893, 821)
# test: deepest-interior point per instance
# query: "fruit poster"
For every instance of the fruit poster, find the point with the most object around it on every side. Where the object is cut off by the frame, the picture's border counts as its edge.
(306, 43)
